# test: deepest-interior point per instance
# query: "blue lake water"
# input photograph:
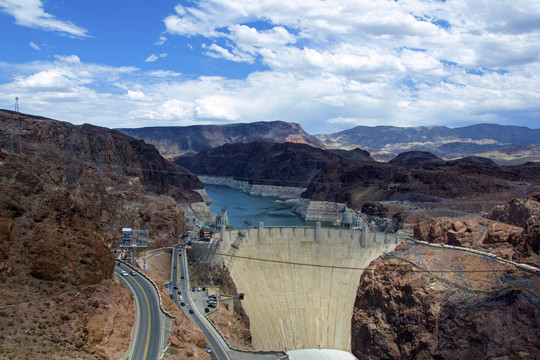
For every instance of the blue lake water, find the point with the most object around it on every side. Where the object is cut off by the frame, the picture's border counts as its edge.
(243, 208)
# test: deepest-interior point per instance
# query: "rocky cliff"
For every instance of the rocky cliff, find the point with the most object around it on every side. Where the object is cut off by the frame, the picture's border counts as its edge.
(402, 312)
(177, 141)
(278, 164)
(68, 190)
(65, 193)
(355, 183)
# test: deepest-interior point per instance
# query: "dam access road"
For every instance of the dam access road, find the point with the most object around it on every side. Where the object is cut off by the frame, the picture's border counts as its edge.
(220, 348)
(147, 340)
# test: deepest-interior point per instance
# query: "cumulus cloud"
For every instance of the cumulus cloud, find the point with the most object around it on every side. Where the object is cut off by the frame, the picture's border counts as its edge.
(34, 46)
(30, 13)
(328, 65)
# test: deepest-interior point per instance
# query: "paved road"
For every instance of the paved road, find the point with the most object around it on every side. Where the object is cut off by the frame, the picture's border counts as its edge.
(148, 325)
(180, 278)
(220, 349)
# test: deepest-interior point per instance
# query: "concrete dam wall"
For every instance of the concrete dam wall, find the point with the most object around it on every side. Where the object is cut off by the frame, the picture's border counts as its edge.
(303, 295)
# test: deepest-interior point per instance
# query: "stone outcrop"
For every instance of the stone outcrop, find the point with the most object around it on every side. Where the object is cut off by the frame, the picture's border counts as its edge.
(404, 314)
(511, 230)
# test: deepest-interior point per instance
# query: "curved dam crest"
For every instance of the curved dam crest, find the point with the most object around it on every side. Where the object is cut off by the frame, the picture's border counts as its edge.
(302, 295)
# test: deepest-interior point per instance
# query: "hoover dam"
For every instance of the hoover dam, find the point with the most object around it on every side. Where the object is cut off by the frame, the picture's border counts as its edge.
(300, 283)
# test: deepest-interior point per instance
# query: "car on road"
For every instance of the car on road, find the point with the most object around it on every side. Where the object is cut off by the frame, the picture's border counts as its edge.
(172, 297)
(208, 349)
(133, 272)
(124, 273)
(183, 303)
(191, 311)
(181, 298)
(179, 291)
(175, 288)
(182, 277)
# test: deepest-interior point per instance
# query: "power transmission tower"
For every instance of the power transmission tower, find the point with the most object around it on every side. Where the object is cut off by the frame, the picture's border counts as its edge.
(229, 257)
(17, 104)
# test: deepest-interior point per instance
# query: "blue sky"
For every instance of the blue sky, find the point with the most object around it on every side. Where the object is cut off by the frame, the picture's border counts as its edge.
(328, 65)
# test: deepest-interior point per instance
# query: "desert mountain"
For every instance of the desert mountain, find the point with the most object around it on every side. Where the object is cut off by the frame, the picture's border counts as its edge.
(281, 164)
(175, 141)
(505, 144)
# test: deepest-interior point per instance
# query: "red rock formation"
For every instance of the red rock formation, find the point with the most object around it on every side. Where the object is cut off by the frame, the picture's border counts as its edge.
(401, 314)
(511, 230)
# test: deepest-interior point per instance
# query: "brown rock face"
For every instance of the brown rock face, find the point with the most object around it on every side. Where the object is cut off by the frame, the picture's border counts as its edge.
(511, 230)
(402, 314)
(66, 191)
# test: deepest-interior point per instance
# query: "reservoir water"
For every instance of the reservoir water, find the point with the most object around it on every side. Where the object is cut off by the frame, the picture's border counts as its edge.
(245, 210)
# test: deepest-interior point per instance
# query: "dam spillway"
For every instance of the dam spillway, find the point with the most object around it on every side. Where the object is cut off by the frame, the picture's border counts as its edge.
(300, 283)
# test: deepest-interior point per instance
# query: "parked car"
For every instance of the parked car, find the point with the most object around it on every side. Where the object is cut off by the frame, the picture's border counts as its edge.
(199, 288)
(206, 310)
(193, 289)
(212, 305)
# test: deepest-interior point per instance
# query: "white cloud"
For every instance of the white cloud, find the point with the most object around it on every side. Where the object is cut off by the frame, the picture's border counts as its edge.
(151, 58)
(328, 65)
(34, 46)
(30, 13)
(217, 51)
(162, 39)
(154, 57)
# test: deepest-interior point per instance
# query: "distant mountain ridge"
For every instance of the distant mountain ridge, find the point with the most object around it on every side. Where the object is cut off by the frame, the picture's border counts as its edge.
(503, 143)
(175, 141)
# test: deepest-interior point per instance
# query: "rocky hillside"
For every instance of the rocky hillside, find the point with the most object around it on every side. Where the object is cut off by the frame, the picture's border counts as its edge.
(176, 141)
(65, 193)
(281, 164)
(512, 231)
(68, 190)
(506, 144)
(355, 183)
(403, 311)
(418, 157)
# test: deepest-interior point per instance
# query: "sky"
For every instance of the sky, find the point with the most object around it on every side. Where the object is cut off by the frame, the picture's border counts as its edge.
(328, 65)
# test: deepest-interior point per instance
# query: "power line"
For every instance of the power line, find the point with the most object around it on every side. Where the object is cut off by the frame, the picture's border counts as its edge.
(341, 267)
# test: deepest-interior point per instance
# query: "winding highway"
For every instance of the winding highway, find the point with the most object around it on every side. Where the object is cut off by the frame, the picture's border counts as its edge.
(147, 338)
(180, 279)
